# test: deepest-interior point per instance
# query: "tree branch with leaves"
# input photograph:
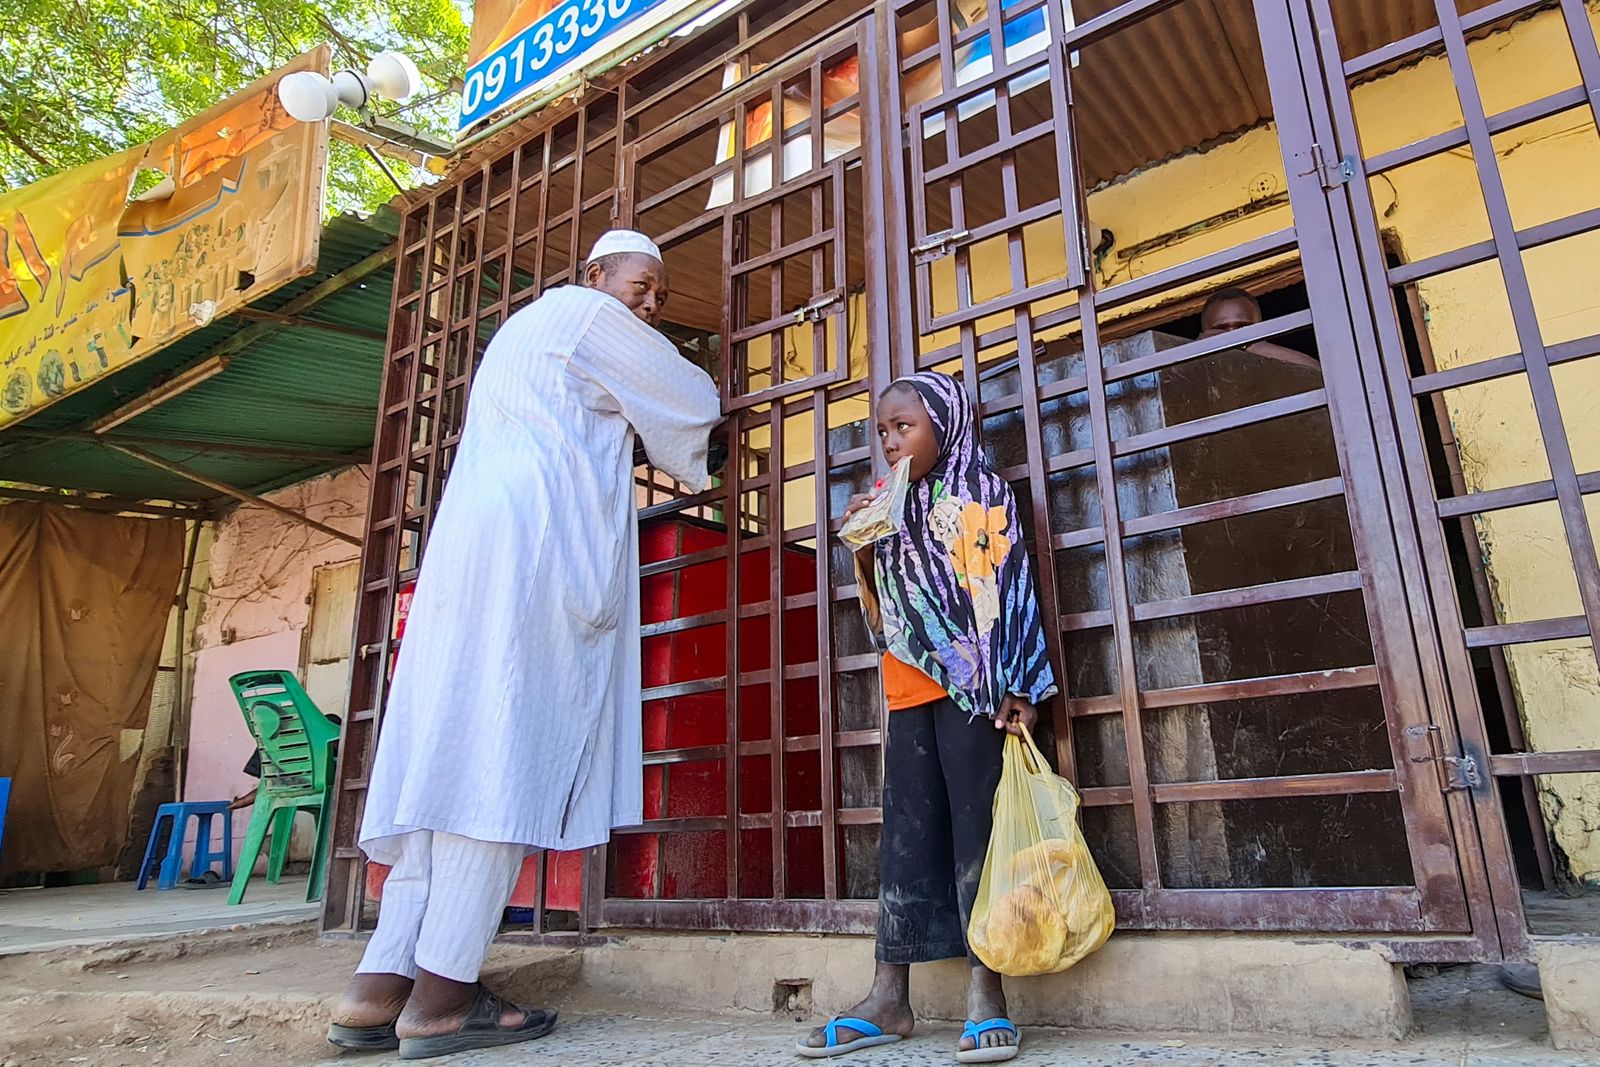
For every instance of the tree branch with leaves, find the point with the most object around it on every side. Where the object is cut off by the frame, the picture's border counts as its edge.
(81, 79)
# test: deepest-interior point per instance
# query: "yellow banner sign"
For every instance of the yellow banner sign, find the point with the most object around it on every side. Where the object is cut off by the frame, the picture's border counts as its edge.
(91, 280)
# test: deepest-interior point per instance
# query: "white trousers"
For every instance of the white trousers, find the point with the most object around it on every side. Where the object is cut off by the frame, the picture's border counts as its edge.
(442, 905)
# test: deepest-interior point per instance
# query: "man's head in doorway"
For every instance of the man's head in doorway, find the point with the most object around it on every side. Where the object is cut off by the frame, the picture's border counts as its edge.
(1229, 309)
(627, 265)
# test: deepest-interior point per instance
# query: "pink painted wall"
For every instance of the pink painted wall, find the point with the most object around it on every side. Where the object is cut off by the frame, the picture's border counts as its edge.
(256, 605)
(220, 743)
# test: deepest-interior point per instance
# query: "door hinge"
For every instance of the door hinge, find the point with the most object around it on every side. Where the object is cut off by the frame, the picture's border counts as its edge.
(1332, 172)
(1460, 772)
(1456, 773)
(1074, 60)
(938, 245)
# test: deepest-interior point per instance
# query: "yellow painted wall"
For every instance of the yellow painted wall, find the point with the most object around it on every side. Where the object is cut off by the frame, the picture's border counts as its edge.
(1551, 169)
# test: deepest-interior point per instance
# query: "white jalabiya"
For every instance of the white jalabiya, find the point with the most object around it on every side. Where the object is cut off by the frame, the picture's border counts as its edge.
(447, 932)
(514, 714)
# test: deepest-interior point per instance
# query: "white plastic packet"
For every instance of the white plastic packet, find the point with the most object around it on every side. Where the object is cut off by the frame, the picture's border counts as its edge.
(885, 516)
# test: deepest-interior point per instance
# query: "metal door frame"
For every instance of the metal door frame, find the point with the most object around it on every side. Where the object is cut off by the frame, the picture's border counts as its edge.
(1436, 903)
(441, 316)
(782, 401)
(1498, 919)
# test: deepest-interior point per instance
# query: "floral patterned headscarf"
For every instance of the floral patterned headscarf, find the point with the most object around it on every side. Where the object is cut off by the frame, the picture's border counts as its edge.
(955, 589)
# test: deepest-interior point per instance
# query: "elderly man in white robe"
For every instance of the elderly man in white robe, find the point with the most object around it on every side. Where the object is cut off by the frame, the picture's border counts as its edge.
(513, 721)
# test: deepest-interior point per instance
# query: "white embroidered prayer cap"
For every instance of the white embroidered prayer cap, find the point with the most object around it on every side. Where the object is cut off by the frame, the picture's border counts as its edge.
(624, 242)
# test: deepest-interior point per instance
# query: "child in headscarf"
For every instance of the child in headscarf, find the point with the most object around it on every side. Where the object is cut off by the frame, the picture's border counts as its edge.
(951, 600)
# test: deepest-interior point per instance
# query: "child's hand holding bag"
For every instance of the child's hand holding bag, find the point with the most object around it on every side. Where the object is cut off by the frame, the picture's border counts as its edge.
(1042, 905)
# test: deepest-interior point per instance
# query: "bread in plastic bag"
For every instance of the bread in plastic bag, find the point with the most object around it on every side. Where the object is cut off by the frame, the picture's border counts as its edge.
(883, 517)
(1042, 905)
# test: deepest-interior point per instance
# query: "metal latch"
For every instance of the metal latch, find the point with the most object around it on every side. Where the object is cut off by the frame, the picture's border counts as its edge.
(938, 246)
(814, 311)
(1331, 172)
(1456, 773)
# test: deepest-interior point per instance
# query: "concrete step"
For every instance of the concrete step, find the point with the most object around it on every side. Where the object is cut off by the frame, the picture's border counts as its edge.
(1137, 983)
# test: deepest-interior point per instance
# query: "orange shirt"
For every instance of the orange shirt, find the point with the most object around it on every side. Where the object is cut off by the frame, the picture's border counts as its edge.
(907, 686)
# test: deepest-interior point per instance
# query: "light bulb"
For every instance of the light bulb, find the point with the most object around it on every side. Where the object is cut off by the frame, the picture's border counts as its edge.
(394, 76)
(307, 96)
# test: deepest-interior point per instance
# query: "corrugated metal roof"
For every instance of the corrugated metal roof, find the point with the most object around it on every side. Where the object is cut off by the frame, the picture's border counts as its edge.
(294, 388)
(1195, 74)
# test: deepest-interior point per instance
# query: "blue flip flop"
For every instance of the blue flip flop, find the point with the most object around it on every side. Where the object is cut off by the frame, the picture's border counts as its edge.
(872, 1035)
(998, 1054)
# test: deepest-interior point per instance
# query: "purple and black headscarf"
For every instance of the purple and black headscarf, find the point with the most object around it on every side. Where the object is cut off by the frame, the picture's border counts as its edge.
(955, 589)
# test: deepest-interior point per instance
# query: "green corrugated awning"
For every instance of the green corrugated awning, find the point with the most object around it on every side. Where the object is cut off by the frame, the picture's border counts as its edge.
(298, 397)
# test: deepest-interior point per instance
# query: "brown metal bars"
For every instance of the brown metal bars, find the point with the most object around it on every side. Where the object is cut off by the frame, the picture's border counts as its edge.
(1435, 903)
(789, 220)
(1155, 903)
(1491, 872)
(438, 304)
(1536, 363)
(941, 161)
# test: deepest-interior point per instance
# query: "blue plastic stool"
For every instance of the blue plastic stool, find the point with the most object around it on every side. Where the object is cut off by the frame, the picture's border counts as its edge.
(5, 802)
(204, 855)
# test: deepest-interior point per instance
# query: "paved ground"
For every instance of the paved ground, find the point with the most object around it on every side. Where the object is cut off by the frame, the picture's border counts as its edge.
(648, 1040)
(1464, 1018)
(35, 920)
(257, 996)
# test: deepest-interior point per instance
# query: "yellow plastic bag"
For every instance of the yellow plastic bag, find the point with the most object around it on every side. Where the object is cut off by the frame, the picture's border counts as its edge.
(1042, 905)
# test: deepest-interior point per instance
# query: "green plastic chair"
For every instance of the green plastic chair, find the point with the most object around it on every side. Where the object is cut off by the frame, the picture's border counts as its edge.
(296, 743)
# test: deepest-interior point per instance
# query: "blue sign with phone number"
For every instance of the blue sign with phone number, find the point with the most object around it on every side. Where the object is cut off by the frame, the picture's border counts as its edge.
(544, 50)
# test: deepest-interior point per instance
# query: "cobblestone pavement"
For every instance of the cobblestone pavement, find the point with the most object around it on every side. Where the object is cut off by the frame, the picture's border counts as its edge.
(1464, 1019)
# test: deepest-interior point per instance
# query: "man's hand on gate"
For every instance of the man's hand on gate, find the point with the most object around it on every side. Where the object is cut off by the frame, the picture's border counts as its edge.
(717, 458)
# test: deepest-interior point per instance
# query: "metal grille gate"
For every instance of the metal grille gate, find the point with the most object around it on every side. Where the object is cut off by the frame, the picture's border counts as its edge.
(1483, 744)
(813, 264)
(1134, 480)
(469, 257)
(769, 808)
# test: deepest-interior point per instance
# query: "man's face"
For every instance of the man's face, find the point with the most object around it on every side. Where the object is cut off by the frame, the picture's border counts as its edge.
(638, 281)
(1227, 315)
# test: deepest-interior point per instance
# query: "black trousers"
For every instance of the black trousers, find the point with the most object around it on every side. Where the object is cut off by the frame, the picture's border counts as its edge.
(939, 777)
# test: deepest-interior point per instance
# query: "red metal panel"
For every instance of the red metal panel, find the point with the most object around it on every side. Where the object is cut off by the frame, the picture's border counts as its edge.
(656, 865)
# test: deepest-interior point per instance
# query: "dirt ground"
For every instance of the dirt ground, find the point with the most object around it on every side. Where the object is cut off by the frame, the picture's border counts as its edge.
(257, 995)
(179, 1002)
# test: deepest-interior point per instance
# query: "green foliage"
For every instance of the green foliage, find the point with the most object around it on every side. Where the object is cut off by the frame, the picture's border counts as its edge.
(80, 79)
